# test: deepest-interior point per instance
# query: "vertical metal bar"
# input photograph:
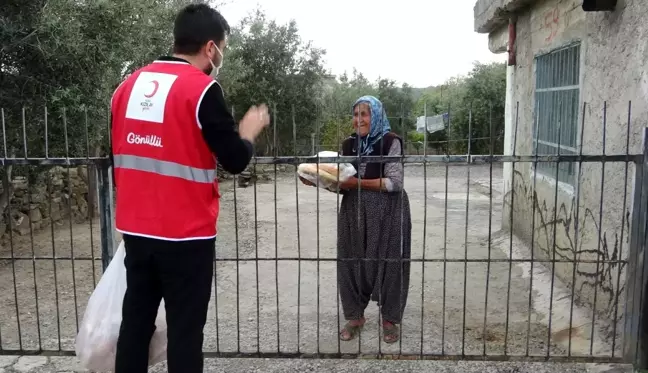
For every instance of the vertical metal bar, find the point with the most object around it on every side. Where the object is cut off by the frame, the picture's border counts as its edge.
(465, 288)
(90, 208)
(106, 218)
(256, 253)
(69, 181)
(216, 318)
(87, 134)
(238, 263)
(56, 295)
(7, 181)
(4, 133)
(276, 226)
(46, 135)
(641, 355)
(402, 263)
(317, 229)
(359, 262)
(31, 236)
(380, 262)
(553, 247)
(4, 140)
(576, 228)
(294, 133)
(510, 269)
(534, 201)
(337, 230)
(632, 313)
(24, 132)
(623, 223)
(445, 231)
(425, 134)
(490, 226)
(56, 292)
(598, 250)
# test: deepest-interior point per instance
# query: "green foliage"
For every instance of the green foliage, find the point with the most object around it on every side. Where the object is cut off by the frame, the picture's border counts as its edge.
(473, 102)
(341, 94)
(268, 62)
(70, 55)
(333, 133)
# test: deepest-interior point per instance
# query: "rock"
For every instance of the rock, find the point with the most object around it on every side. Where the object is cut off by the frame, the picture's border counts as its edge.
(57, 194)
(29, 363)
(5, 361)
(45, 223)
(35, 214)
(82, 205)
(20, 183)
(20, 223)
(38, 198)
(56, 213)
(57, 182)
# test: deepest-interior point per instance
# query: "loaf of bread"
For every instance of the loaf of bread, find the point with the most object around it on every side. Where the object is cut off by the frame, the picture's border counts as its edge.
(327, 172)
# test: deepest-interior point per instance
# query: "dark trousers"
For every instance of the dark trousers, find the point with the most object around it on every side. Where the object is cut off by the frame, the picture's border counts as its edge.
(179, 272)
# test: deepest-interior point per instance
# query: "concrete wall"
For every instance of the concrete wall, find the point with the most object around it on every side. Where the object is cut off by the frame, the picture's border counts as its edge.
(614, 68)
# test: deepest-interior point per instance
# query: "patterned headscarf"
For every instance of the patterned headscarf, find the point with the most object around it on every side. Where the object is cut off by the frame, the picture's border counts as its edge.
(379, 124)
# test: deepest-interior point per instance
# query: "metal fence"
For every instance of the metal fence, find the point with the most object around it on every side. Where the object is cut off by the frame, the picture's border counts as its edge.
(484, 281)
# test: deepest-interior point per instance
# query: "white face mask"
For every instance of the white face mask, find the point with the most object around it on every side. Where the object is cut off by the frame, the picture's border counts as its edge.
(216, 69)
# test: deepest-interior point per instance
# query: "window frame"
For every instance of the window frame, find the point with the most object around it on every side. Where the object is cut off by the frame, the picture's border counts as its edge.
(548, 174)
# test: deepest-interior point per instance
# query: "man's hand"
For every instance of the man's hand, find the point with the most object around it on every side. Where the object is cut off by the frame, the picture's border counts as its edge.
(254, 121)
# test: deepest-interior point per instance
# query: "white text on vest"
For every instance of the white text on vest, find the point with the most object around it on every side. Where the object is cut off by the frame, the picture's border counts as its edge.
(151, 140)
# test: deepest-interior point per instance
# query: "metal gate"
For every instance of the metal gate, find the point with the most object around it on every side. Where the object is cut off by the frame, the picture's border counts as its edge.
(507, 261)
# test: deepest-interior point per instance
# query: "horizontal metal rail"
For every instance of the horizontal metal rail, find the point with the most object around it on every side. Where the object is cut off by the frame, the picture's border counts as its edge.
(362, 356)
(97, 161)
(383, 260)
(450, 159)
(283, 160)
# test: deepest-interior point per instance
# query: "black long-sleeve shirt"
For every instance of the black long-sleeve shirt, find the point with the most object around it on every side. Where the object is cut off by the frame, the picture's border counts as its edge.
(219, 131)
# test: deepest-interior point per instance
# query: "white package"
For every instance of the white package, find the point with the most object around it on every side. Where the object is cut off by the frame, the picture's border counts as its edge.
(344, 171)
(96, 343)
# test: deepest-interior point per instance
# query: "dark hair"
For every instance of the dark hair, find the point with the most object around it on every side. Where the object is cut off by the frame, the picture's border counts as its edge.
(195, 25)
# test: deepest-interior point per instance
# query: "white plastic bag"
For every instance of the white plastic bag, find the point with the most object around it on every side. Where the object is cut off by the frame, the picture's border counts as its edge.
(326, 172)
(96, 343)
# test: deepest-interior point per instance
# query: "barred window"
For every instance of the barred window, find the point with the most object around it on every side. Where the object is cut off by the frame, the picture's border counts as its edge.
(556, 110)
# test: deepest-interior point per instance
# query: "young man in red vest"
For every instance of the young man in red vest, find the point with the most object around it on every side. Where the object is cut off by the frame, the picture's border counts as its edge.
(170, 127)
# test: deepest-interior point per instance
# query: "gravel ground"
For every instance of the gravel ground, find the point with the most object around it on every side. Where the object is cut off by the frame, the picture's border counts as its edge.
(39, 364)
(292, 305)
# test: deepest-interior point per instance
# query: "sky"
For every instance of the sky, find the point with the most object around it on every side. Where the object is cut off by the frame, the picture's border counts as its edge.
(422, 43)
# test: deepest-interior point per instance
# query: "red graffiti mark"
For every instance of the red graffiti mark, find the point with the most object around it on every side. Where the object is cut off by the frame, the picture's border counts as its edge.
(551, 23)
(156, 85)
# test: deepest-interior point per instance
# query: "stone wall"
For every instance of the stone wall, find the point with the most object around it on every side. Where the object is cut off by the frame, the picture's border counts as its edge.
(31, 203)
(588, 219)
(54, 198)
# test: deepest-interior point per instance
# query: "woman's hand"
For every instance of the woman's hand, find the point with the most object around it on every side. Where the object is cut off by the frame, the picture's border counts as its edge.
(351, 183)
(306, 182)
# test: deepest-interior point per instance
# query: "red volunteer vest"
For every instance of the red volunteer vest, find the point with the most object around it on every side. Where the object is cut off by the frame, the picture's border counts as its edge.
(164, 172)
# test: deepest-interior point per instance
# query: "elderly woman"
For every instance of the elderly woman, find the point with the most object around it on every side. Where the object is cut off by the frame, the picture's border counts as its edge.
(374, 230)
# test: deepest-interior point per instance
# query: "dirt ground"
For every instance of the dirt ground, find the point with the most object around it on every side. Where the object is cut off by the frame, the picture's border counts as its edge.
(291, 305)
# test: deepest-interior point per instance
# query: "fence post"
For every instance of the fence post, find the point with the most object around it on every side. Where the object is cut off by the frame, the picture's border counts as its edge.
(106, 213)
(635, 349)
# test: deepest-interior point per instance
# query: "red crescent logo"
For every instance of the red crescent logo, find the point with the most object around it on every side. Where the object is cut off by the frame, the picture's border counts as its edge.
(156, 86)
